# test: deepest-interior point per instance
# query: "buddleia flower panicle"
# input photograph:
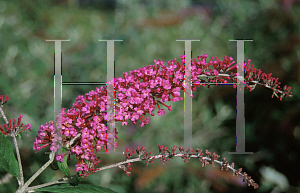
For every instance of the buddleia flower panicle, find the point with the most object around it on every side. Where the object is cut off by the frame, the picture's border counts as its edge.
(135, 95)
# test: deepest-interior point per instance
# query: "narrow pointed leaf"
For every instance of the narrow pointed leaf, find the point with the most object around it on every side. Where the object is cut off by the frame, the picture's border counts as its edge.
(7, 158)
(63, 166)
(75, 188)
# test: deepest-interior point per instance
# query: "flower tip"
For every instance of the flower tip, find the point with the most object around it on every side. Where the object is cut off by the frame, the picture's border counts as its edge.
(6, 98)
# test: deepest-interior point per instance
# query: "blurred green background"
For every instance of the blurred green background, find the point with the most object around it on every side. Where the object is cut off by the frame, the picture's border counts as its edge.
(149, 30)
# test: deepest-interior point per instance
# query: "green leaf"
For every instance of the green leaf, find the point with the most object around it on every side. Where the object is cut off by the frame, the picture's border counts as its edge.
(7, 158)
(63, 166)
(19, 135)
(75, 188)
(79, 178)
(86, 161)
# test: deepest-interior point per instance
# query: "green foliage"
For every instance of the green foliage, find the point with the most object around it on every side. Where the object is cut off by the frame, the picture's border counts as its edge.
(7, 158)
(63, 166)
(78, 177)
(75, 188)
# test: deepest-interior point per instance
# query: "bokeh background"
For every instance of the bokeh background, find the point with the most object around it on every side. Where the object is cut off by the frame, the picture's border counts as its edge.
(149, 30)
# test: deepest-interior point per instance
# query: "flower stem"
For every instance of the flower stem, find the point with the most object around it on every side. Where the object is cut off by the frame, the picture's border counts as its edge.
(49, 183)
(3, 115)
(19, 160)
(23, 188)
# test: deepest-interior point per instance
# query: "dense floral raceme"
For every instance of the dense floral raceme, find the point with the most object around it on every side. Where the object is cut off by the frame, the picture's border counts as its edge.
(84, 128)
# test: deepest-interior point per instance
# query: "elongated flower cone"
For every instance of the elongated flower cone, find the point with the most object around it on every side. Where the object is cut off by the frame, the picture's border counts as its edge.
(86, 127)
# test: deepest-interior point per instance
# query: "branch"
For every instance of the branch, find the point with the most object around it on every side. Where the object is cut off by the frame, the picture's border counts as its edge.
(6, 178)
(3, 115)
(185, 153)
(19, 160)
(55, 181)
(49, 183)
(23, 188)
(73, 140)
(239, 78)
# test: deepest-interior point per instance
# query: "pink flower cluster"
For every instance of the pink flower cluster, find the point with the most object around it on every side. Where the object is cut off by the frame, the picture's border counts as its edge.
(12, 129)
(252, 76)
(135, 95)
(15, 128)
(256, 75)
